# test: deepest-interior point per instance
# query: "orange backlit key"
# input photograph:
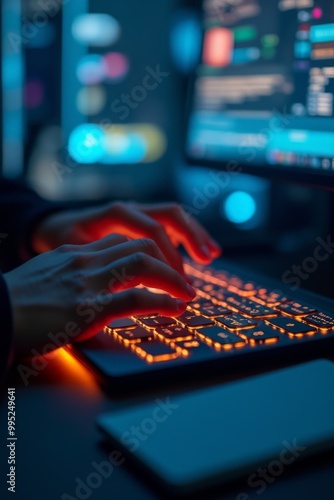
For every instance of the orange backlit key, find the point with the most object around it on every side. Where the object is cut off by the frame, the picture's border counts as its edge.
(173, 333)
(295, 309)
(192, 321)
(121, 324)
(236, 322)
(291, 326)
(322, 321)
(272, 299)
(250, 308)
(260, 335)
(215, 311)
(219, 338)
(155, 352)
(156, 321)
(133, 336)
(200, 303)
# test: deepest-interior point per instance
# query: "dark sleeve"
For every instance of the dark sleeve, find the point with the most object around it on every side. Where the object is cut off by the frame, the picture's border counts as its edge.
(6, 330)
(21, 209)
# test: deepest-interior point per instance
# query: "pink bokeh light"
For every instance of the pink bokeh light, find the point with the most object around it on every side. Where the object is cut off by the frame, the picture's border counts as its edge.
(116, 65)
(317, 13)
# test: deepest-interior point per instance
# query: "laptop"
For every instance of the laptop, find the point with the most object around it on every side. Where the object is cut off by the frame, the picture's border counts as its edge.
(261, 103)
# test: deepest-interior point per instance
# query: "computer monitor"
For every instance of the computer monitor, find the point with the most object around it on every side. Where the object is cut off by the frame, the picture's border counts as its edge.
(262, 97)
(11, 95)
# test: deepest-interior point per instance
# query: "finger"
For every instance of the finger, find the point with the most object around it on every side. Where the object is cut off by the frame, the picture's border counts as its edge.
(142, 269)
(112, 240)
(130, 247)
(136, 224)
(196, 240)
(140, 301)
(131, 303)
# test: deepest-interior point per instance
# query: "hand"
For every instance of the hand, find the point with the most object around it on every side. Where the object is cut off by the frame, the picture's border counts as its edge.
(82, 288)
(167, 224)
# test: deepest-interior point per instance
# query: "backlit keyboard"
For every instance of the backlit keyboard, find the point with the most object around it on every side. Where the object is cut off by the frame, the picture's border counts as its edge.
(228, 314)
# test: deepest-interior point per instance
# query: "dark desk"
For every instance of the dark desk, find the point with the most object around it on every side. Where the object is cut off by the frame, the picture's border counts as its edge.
(57, 442)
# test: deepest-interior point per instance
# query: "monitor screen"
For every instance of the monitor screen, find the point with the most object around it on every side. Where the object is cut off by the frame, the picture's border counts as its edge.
(263, 92)
(12, 80)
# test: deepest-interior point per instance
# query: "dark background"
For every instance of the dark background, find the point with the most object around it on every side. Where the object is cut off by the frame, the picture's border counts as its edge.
(288, 219)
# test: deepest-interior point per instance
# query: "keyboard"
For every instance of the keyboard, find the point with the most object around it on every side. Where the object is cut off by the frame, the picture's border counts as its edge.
(233, 323)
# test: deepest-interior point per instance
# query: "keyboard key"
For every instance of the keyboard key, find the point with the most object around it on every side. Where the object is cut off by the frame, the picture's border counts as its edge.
(262, 335)
(121, 324)
(193, 347)
(251, 308)
(210, 287)
(192, 321)
(291, 326)
(215, 311)
(271, 298)
(156, 321)
(133, 336)
(174, 333)
(240, 287)
(198, 283)
(200, 303)
(220, 296)
(236, 322)
(155, 351)
(295, 309)
(248, 289)
(222, 278)
(322, 321)
(219, 338)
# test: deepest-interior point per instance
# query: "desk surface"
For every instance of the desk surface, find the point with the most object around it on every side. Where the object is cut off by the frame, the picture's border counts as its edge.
(57, 442)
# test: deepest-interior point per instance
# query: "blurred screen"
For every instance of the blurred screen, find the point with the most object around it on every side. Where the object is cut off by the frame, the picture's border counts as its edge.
(263, 92)
(12, 89)
(115, 81)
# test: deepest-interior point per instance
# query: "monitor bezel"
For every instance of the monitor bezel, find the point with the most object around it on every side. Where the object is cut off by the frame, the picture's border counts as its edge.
(321, 179)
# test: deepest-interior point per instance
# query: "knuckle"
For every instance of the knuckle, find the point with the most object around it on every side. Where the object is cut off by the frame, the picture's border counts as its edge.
(149, 246)
(120, 238)
(118, 207)
(66, 249)
(79, 260)
(78, 283)
(140, 260)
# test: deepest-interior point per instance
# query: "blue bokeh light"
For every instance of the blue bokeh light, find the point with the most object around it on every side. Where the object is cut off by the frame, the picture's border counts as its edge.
(186, 36)
(86, 144)
(90, 69)
(240, 207)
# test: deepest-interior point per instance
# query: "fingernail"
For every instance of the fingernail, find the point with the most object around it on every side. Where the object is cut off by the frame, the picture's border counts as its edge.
(205, 251)
(181, 305)
(191, 292)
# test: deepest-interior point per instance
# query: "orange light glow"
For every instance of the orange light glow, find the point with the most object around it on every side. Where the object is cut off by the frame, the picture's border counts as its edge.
(75, 371)
(154, 359)
(177, 339)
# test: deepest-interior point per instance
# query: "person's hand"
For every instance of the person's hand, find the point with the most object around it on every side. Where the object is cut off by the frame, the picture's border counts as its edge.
(167, 224)
(80, 289)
